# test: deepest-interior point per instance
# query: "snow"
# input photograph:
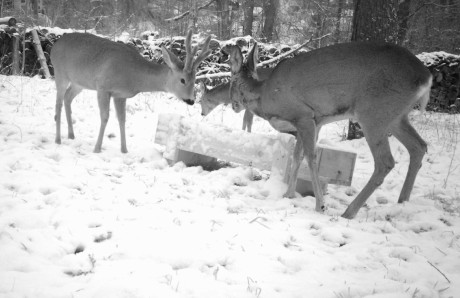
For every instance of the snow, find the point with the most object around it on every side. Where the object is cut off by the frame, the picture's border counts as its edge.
(433, 58)
(78, 224)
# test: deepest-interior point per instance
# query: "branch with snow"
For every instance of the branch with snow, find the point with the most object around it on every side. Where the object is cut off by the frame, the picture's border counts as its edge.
(183, 15)
(267, 62)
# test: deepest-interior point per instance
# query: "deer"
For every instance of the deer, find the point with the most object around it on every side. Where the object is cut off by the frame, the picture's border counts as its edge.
(116, 70)
(376, 84)
(211, 98)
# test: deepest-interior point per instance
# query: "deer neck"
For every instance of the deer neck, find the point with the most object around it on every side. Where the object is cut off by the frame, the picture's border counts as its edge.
(220, 94)
(251, 90)
(153, 77)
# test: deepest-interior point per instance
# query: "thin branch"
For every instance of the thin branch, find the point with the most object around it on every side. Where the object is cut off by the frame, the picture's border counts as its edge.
(183, 15)
(291, 51)
(228, 74)
(438, 270)
(214, 75)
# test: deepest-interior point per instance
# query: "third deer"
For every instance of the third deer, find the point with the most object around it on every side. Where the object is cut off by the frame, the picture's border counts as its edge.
(211, 98)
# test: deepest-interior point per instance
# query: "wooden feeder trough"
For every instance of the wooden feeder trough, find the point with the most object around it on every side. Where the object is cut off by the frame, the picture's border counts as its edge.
(196, 143)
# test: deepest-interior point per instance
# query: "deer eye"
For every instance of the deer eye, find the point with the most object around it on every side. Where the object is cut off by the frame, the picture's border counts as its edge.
(182, 81)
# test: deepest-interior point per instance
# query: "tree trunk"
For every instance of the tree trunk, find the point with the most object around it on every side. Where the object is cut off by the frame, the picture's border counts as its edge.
(193, 17)
(223, 10)
(248, 11)
(35, 8)
(270, 9)
(403, 20)
(17, 4)
(340, 4)
(373, 20)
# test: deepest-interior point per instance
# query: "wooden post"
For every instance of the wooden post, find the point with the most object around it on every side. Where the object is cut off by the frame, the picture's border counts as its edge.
(39, 51)
(15, 65)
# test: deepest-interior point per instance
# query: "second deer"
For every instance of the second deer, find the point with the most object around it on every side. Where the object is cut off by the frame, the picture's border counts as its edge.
(377, 84)
(220, 94)
(118, 71)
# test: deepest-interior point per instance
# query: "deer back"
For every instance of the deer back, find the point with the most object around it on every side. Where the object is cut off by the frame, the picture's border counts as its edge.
(335, 82)
(92, 62)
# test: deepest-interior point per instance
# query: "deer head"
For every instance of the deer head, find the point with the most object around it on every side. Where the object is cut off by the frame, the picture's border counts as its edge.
(181, 77)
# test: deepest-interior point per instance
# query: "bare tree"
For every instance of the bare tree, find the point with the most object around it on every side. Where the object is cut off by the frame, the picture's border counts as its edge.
(270, 10)
(224, 23)
(248, 11)
(340, 5)
(403, 20)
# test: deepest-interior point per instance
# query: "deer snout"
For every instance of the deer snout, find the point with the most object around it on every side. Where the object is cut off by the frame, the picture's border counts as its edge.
(189, 101)
(237, 107)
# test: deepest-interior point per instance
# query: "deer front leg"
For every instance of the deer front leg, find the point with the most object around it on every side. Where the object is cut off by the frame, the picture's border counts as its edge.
(248, 118)
(61, 87)
(306, 129)
(120, 107)
(103, 99)
(294, 170)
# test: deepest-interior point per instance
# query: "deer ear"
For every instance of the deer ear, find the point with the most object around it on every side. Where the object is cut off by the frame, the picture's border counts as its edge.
(236, 58)
(170, 59)
(202, 87)
(253, 57)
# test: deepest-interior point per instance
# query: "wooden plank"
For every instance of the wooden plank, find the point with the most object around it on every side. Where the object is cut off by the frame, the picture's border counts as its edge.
(266, 152)
(282, 157)
(335, 165)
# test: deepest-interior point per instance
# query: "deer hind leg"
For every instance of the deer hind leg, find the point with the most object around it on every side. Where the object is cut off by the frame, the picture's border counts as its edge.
(120, 107)
(103, 99)
(416, 147)
(61, 86)
(69, 95)
(307, 131)
(383, 164)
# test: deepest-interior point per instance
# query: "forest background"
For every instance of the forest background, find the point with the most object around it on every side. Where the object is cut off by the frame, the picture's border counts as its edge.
(419, 25)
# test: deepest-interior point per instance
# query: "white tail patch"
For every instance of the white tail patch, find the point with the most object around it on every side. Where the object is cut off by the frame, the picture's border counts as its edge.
(424, 95)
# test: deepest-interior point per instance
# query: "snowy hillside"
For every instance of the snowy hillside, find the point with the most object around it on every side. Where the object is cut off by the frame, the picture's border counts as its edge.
(78, 224)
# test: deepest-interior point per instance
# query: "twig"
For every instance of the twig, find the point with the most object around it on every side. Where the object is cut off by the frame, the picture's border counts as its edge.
(441, 251)
(257, 221)
(228, 74)
(214, 75)
(176, 18)
(291, 51)
(439, 271)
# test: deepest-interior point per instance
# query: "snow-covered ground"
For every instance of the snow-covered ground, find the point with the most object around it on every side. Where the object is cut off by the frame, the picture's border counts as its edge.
(78, 224)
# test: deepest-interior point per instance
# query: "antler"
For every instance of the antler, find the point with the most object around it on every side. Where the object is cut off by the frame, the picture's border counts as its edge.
(205, 51)
(188, 49)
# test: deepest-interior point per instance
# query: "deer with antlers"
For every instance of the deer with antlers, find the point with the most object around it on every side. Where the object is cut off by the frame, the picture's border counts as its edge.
(118, 71)
(376, 84)
(211, 98)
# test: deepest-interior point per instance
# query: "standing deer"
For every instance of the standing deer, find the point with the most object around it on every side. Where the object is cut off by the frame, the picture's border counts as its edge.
(85, 61)
(376, 84)
(211, 98)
